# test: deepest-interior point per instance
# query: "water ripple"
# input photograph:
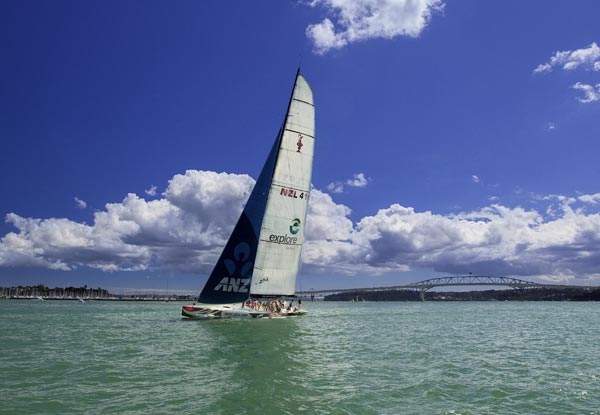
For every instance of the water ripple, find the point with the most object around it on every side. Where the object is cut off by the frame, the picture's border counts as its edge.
(342, 358)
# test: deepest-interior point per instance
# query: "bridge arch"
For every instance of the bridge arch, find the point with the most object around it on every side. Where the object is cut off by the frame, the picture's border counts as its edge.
(470, 280)
(461, 280)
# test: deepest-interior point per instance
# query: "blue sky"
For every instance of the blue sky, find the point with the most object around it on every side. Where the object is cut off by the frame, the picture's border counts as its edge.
(453, 137)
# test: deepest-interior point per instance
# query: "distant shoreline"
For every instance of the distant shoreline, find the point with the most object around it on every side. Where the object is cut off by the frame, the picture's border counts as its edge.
(40, 292)
(533, 294)
(85, 293)
(157, 299)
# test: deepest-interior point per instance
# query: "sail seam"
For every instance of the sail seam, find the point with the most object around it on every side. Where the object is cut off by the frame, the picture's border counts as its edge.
(304, 102)
(299, 132)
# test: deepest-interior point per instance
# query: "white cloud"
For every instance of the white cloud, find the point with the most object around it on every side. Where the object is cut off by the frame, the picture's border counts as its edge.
(588, 58)
(327, 220)
(494, 240)
(151, 191)
(80, 203)
(475, 178)
(212, 198)
(324, 37)
(336, 187)
(357, 180)
(358, 20)
(590, 93)
(593, 199)
(187, 228)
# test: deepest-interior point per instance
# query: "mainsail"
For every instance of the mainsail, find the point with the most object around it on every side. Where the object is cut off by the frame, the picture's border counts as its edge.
(262, 255)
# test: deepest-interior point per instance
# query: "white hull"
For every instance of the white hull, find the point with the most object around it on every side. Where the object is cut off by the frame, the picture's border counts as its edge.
(231, 310)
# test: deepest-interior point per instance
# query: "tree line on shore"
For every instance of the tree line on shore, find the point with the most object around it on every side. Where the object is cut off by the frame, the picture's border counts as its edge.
(85, 292)
(40, 290)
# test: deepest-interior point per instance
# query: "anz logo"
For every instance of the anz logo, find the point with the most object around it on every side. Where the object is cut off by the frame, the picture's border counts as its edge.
(236, 285)
(239, 266)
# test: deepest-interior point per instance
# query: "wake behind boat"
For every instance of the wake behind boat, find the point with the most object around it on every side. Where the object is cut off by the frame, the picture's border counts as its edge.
(256, 273)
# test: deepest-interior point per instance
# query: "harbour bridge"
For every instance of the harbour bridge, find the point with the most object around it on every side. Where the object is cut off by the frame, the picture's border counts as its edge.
(455, 281)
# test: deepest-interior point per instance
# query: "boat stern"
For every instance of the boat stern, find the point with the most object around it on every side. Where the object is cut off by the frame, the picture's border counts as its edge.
(197, 311)
(220, 310)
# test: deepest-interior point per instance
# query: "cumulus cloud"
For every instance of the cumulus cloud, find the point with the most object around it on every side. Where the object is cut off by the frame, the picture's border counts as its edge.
(327, 220)
(186, 229)
(590, 93)
(588, 58)
(151, 191)
(80, 203)
(475, 178)
(358, 20)
(493, 240)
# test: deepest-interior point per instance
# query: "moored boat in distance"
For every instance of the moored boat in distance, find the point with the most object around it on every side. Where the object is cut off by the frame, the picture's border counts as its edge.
(256, 273)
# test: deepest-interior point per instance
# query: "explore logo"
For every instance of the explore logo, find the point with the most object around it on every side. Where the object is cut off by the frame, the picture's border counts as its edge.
(295, 226)
(283, 239)
(287, 239)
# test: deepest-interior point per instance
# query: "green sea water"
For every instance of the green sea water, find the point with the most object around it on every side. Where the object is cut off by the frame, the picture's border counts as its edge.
(67, 357)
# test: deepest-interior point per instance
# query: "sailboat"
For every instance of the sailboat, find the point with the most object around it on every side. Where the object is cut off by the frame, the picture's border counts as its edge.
(257, 270)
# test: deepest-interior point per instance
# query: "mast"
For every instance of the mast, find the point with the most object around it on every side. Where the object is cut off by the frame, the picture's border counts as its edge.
(282, 232)
(230, 279)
